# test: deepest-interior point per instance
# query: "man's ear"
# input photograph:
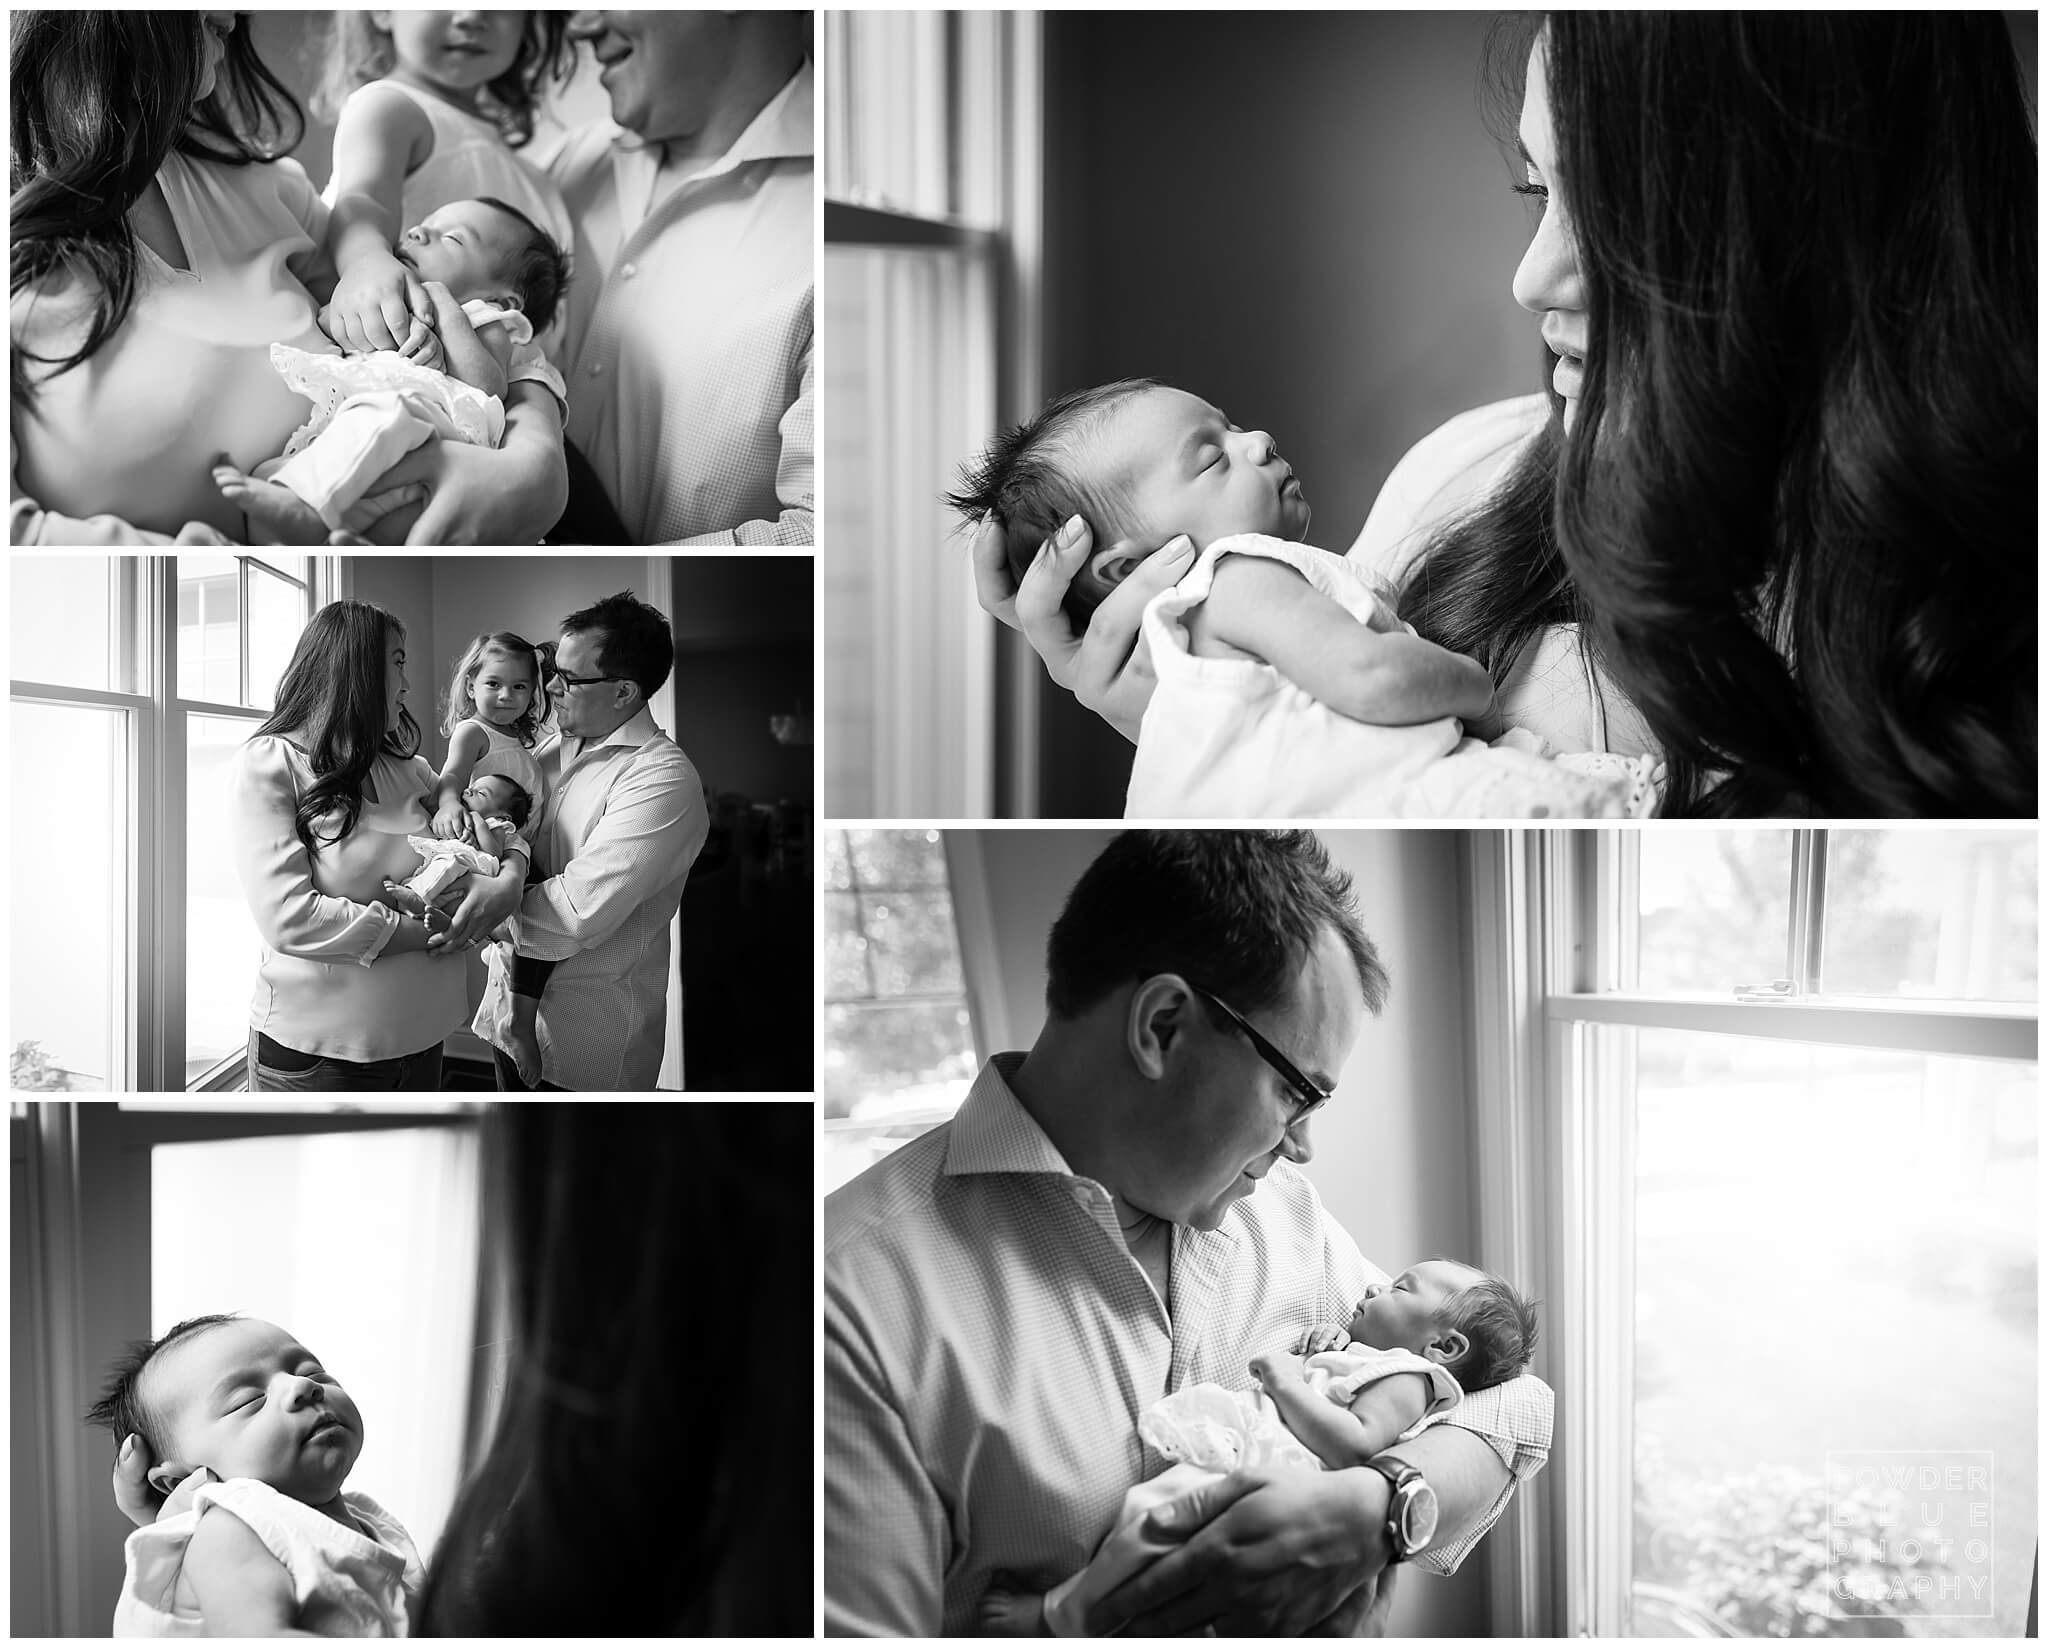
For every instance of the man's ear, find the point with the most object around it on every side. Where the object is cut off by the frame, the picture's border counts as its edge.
(1446, 1347)
(1156, 1020)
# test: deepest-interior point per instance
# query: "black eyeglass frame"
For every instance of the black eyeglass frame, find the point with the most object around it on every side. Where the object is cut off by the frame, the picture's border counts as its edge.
(1308, 1096)
(552, 674)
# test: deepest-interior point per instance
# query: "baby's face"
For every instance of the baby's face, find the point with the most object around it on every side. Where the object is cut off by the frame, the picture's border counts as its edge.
(491, 796)
(1401, 1314)
(246, 1399)
(1185, 467)
(469, 247)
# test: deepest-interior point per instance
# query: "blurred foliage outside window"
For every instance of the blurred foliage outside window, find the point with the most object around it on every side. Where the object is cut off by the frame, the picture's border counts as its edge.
(1835, 1248)
(899, 1040)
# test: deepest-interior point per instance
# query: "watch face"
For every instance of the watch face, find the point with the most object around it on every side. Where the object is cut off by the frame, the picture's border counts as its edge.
(1418, 1515)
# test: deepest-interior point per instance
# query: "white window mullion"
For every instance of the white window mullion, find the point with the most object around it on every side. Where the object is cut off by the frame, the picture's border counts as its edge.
(1515, 1161)
(164, 822)
(1591, 1319)
(1974, 1030)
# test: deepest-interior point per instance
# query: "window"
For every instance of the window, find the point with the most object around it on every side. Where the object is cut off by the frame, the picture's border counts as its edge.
(1790, 1084)
(900, 1045)
(931, 229)
(135, 678)
(400, 1339)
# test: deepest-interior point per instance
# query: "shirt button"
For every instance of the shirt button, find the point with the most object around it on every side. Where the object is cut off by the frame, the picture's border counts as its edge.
(597, 369)
(629, 271)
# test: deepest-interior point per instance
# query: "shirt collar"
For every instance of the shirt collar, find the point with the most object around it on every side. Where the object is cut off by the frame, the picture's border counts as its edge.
(781, 131)
(627, 735)
(993, 1133)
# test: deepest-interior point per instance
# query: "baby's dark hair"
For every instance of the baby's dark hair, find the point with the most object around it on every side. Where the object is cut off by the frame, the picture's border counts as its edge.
(1030, 480)
(120, 1407)
(542, 273)
(519, 808)
(1499, 1326)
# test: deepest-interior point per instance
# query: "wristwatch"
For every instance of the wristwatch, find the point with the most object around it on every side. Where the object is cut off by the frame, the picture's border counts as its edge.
(1411, 1509)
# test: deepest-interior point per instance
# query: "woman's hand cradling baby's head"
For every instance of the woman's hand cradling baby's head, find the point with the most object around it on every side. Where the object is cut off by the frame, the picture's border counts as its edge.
(135, 1496)
(1104, 667)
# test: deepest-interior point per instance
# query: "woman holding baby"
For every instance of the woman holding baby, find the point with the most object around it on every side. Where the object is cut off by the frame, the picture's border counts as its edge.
(1774, 515)
(350, 993)
(160, 246)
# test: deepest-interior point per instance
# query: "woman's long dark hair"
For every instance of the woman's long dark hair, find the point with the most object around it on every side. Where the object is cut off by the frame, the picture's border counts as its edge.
(335, 697)
(99, 100)
(360, 52)
(1795, 514)
(650, 1471)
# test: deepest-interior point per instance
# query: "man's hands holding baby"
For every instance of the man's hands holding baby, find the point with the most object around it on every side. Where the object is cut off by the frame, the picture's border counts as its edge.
(1265, 1554)
(137, 1499)
(1104, 667)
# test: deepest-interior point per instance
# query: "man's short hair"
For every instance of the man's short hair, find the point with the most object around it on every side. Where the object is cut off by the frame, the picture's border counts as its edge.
(1031, 479)
(542, 273)
(120, 1407)
(1235, 911)
(1499, 1326)
(633, 639)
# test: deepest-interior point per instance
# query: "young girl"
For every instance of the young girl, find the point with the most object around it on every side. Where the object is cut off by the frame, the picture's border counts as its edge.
(496, 703)
(429, 107)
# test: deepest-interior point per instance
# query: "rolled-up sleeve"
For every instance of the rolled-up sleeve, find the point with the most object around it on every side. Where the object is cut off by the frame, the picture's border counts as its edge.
(1514, 1420)
(653, 826)
(276, 870)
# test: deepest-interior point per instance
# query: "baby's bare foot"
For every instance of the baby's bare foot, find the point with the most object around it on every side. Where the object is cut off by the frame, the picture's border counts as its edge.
(276, 514)
(1013, 1613)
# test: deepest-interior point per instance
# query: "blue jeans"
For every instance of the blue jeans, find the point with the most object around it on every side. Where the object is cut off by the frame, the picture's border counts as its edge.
(413, 1073)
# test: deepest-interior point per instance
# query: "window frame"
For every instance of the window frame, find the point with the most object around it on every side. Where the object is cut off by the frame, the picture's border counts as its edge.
(81, 1217)
(988, 1018)
(995, 229)
(1551, 921)
(150, 935)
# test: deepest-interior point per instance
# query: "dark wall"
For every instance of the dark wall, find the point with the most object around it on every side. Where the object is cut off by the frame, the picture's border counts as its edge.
(1301, 218)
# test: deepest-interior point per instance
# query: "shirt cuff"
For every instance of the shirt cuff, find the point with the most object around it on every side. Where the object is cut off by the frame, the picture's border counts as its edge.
(374, 942)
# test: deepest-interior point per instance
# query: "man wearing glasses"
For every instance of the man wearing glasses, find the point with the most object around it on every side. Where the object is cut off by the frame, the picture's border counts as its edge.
(1116, 1214)
(624, 819)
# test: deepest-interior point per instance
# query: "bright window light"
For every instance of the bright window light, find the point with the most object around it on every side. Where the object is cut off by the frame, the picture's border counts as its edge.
(68, 886)
(899, 1040)
(364, 1246)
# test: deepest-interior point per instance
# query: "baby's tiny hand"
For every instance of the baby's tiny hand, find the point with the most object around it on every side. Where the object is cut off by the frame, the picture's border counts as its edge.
(1319, 1339)
(1275, 1368)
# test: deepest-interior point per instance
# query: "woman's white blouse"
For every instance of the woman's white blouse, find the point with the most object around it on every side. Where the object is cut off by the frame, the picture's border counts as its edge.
(324, 985)
(120, 449)
(1552, 692)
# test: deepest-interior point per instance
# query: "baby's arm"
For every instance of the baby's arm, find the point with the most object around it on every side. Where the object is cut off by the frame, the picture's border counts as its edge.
(478, 359)
(242, 1590)
(1337, 1436)
(465, 749)
(1269, 610)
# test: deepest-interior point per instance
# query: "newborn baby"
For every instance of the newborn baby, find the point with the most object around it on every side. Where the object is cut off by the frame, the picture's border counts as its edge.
(1288, 687)
(274, 1547)
(495, 279)
(503, 806)
(1410, 1351)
